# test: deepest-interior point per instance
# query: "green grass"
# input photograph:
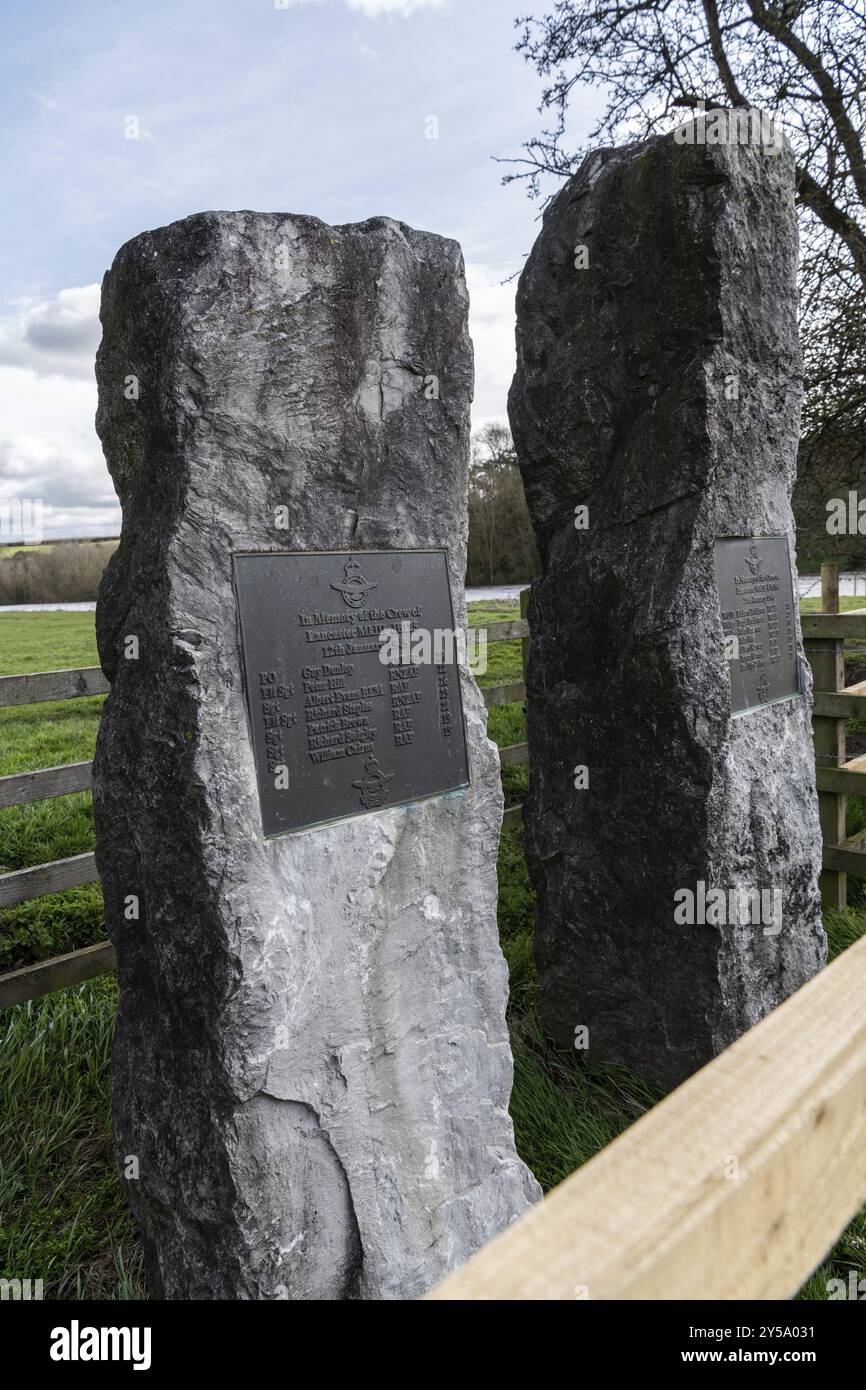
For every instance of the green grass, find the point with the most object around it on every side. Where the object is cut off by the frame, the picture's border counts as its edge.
(504, 663)
(46, 641)
(7, 551)
(63, 1216)
(506, 723)
(46, 735)
(846, 602)
(563, 1111)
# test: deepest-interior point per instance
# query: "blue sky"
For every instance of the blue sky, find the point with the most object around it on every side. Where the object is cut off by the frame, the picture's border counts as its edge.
(313, 106)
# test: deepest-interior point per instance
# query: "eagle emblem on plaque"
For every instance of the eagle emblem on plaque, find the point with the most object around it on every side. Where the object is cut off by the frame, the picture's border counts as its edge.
(754, 559)
(373, 786)
(354, 588)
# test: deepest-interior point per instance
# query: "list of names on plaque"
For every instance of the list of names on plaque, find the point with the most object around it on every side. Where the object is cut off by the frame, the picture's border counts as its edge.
(758, 619)
(335, 730)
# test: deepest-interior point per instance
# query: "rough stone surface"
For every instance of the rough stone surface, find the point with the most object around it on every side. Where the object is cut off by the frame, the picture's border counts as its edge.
(619, 404)
(311, 1061)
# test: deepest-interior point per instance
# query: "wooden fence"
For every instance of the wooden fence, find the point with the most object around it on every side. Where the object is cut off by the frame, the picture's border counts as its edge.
(837, 777)
(824, 636)
(734, 1186)
(738, 1182)
(24, 884)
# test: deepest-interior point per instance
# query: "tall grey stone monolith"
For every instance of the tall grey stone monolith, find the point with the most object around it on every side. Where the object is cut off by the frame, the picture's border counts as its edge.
(656, 411)
(311, 1070)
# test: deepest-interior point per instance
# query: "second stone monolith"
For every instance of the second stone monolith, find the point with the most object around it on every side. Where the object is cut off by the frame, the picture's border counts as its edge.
(671, 823)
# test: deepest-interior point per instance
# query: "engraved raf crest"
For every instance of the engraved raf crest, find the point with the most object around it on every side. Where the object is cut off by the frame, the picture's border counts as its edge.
(373, 785)
(354, 587)
(754, 560)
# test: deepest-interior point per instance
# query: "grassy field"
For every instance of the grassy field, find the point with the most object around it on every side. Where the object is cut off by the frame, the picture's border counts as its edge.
(62, 1212)
(45, 735)
(7, 551)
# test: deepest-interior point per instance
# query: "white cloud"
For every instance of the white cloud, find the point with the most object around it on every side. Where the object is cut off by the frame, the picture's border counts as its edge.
(49, 453)
(54, 336)
(48, 445)
(49, 450)
(375, 8)
(47, 103)
(491, 324)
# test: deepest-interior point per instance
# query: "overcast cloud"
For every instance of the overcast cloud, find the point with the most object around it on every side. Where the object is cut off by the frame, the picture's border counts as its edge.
(119, 118)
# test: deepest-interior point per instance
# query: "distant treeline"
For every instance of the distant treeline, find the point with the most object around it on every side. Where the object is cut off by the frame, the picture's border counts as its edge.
(501, 543)
(53, 573)
(831, 480)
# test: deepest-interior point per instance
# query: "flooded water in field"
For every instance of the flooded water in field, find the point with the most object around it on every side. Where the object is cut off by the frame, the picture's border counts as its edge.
(810, 587)
(46, 607)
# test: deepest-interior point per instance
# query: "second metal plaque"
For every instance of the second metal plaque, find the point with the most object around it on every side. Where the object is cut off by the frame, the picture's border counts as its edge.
(757, 600)
(335, 731)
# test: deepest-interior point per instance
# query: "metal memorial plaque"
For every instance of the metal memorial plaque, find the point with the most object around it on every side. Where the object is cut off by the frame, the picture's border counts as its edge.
(335, 731)
(757, 601)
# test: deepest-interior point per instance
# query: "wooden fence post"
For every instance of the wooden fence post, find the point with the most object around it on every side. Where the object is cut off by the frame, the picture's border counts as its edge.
(827, 659)
(524, 611)
(830, 588)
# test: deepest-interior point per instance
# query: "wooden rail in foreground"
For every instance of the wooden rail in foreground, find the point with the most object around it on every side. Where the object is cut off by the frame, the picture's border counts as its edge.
(734, 1186)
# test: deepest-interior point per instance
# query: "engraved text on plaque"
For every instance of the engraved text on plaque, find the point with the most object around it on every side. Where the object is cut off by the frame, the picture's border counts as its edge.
(335, 731)
(757, 601)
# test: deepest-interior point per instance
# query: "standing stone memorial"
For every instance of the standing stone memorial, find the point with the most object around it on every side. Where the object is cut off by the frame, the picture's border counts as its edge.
(656, 410)
(297, 843)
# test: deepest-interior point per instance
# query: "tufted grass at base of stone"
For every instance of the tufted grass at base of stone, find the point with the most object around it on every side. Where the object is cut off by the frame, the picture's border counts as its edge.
(64, 1214)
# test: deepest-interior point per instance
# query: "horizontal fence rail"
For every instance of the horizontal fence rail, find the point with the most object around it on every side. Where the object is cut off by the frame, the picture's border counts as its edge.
(839, 625)
(836, 778)
(24, 884)
(23, 787)
(734, 1186)
(52, 685)
(58, 973)
(48, 781)
(504, 694)
(512, 631)
(836, 775)
(514, 754)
